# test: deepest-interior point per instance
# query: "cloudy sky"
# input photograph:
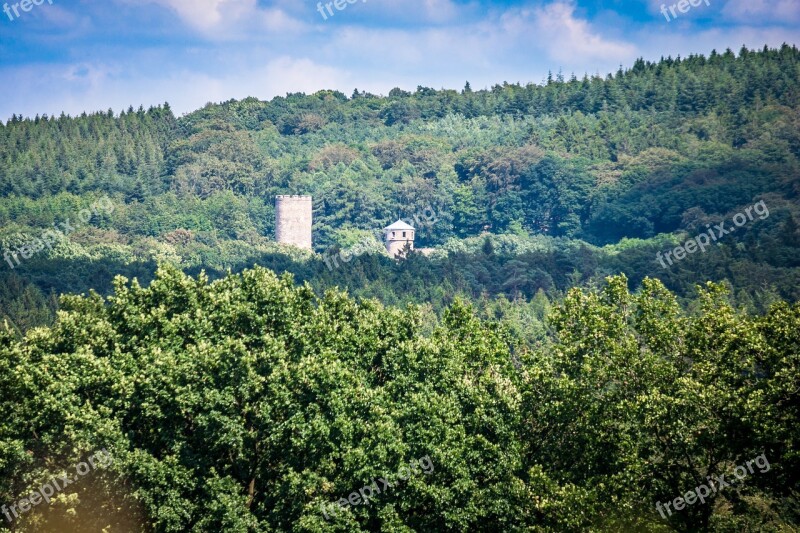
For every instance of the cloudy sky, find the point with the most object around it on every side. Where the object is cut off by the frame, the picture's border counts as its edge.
(88, 55)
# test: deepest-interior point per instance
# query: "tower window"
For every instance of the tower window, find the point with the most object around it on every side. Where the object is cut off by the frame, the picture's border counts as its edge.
(392, 234)
(404, 234)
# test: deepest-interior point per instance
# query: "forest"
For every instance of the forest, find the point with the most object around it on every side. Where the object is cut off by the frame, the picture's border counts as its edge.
(557, 375)
(249, 404)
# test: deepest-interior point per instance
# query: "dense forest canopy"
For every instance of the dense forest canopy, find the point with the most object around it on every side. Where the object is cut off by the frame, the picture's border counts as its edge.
(250, 404)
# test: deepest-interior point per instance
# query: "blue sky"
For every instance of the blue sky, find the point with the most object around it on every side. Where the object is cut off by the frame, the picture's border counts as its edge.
(76, 56)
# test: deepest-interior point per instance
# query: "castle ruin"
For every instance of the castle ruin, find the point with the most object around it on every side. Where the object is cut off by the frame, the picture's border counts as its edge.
(293, 220)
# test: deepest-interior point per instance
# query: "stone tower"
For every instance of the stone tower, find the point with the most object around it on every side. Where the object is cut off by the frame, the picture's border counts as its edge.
(293, 220)
(397, 236)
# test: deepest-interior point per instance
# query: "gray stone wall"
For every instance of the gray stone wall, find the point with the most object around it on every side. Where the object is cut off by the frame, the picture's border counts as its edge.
(293, 220)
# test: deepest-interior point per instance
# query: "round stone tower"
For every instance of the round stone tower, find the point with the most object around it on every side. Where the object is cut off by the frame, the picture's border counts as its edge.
(397, 236)
(293, 219)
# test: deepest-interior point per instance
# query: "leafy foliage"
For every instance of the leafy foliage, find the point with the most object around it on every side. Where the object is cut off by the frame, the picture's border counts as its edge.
(246, 403)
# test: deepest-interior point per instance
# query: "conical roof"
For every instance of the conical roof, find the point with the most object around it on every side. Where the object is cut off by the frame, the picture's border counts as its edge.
(399, 225)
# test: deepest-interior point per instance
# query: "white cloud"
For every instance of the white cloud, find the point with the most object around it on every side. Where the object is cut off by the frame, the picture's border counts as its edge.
(547, 35)
(225, 19)
(762, 11)
(424, 11)
(566, 38)
(206, 14)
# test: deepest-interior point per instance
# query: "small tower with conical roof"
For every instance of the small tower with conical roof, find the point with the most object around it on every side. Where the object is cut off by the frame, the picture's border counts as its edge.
(397, 236)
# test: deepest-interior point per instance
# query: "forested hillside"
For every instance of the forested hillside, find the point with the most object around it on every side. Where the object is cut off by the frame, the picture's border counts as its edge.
(534, 188)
